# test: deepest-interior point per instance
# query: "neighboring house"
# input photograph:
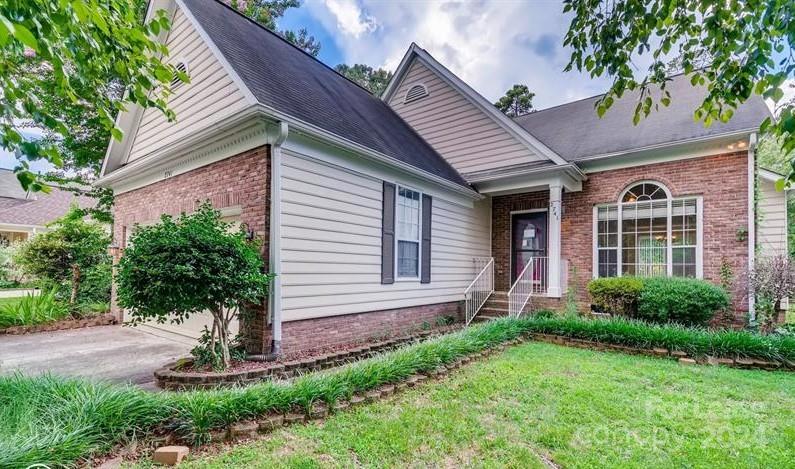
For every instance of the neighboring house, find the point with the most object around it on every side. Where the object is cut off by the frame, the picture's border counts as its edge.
(379, 214)
(772, 215)
(23, 214)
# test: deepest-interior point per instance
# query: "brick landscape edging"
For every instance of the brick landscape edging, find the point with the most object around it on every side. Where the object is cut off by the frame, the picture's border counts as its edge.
(682, 357)
(170, 378)
(106, 319)
(251, 428)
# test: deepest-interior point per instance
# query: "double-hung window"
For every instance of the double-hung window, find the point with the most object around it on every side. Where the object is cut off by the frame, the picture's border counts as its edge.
(408, 233)
(648, 233)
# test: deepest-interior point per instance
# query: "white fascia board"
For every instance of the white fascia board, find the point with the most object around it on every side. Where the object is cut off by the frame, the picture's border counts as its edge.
(130, 119)
(20, 227)
(250, 99)
(673, 151)
(772, 176)
(221, 139)
(297, 125)
(516, 131)
(518, 185)
(495, 175)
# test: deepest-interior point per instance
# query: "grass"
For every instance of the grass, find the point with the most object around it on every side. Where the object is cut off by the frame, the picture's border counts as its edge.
(578, 408)
(32, 309)
(57, 421)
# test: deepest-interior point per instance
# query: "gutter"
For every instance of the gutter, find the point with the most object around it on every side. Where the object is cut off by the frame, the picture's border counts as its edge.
(275, 236)
(658, 146)
(175, 150)
(752, 220)
(306, 128)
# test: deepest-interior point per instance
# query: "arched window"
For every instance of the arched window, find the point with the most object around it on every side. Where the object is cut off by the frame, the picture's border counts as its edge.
(648, 233)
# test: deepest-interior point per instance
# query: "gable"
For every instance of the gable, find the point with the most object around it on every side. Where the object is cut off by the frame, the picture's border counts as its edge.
(211, 96)
(455, 127)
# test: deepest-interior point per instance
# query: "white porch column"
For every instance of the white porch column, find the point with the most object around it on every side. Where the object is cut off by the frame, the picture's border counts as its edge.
(554, 241)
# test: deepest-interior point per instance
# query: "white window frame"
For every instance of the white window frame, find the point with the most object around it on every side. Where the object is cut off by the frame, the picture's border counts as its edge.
(669, 249)
(398, 277)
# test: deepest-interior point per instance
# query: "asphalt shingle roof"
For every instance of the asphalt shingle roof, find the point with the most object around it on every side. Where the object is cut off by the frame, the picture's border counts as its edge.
(575, 132)
(38, 209)
(291, 81)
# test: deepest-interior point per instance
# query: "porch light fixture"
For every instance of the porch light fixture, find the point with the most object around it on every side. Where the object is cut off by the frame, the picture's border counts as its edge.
(114, 249)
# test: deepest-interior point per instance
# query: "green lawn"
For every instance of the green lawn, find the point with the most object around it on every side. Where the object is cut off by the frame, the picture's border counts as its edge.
(575, 407)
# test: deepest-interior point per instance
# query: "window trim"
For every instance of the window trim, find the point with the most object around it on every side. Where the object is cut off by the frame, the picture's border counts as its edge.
(669, 249)
(398, 277)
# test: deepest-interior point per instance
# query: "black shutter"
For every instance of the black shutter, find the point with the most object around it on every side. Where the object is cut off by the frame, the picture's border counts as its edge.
(425, 266)
(388, 235)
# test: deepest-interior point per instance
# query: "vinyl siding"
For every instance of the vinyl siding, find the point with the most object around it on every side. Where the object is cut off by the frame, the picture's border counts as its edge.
(772, 226)
(331, 244)
(210, 96)
(466, 137)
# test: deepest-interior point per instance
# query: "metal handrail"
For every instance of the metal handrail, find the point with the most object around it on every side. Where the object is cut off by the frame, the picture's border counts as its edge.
(531, 280)
(479, 291)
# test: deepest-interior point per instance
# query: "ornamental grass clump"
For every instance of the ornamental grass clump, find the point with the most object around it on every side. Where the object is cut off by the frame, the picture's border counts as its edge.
(696, 342)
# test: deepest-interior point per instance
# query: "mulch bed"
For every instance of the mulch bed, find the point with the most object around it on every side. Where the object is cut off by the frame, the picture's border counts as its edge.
(182, 375)
(65, 324)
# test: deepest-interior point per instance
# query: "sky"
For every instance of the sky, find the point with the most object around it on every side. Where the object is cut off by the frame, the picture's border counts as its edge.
(490, 44)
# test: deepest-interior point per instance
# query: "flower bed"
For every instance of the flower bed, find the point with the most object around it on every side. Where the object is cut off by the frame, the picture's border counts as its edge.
(178, 375)
(64, 324)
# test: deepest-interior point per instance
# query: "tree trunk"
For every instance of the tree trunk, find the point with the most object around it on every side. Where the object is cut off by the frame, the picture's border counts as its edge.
(223, 336)
(75, 283)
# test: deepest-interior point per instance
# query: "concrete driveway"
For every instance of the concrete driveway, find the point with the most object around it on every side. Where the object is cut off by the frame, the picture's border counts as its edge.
(115, 353)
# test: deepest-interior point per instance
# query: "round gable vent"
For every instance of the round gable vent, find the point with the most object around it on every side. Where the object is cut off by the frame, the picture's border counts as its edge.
(416, 92)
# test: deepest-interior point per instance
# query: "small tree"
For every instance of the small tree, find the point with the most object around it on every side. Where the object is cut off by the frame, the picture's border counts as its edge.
(517, 101)
(772, 280)
(189, 265)
(73, 245)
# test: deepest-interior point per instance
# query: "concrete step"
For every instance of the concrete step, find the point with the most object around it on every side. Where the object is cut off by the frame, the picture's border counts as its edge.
(493, 311)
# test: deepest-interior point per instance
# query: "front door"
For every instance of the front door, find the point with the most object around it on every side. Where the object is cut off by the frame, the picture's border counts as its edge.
(528, 239)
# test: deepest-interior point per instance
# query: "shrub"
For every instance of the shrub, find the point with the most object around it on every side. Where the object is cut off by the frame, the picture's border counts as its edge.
(65, 253)
(616, 295)
(184, 266)
(772, 279)
(33, 309)
(687, 301)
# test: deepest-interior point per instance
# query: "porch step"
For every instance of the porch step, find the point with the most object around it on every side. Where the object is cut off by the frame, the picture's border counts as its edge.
(496, 307)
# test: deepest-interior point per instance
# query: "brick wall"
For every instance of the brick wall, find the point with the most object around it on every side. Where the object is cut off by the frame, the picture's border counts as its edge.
(319, 333)
(721, 180)
(240, 181)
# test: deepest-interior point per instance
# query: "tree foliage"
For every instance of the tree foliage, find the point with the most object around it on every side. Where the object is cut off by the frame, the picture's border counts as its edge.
(188, 265)
(373, 80)
(747, 47)
(71, 247)
(268, 12)
(517, 101)
(54, 51)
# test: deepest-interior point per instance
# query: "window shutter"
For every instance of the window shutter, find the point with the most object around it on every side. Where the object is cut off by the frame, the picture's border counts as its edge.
(388, 235)
(425, 267)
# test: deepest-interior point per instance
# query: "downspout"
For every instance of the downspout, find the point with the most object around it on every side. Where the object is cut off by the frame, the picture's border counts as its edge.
(751, 220)
(275, 239)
